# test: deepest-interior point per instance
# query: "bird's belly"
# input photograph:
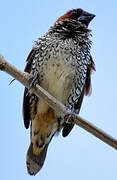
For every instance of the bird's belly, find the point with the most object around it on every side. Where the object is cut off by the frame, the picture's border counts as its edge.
(58, 79)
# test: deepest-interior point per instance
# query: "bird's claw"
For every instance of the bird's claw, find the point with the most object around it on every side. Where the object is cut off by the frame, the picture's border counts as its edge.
(69, 118)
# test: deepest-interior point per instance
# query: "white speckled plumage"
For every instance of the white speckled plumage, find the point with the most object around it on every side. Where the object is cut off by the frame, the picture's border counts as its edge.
(61, 62)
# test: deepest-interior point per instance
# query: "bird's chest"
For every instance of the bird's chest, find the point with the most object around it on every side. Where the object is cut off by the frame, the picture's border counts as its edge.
(57, 76)
(61, 64)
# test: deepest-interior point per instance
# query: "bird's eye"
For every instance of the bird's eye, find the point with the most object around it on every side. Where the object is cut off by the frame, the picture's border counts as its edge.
(75, 13)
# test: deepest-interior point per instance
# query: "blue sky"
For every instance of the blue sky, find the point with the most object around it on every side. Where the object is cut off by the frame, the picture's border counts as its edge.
(80, 155)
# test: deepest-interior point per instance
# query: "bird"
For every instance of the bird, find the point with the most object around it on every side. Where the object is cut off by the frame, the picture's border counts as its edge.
(61, 63)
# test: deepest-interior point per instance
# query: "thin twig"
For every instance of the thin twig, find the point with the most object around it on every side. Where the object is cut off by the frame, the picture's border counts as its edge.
(23, 78)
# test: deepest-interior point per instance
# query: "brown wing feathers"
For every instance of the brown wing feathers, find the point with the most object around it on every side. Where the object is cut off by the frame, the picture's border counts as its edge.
(90, 69)
(26, 106)
(86, 91)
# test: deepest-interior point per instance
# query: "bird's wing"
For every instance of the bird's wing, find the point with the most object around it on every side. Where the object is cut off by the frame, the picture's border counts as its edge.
(86, 91)
(90, 69)
(26, 105)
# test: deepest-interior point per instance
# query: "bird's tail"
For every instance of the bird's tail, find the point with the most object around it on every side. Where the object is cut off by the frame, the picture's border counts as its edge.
(35, 163)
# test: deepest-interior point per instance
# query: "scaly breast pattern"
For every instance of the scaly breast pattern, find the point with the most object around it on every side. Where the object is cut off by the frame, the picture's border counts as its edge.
(58, 73)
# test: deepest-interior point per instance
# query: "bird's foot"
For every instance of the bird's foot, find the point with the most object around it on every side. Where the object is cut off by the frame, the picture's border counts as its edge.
(69, 118)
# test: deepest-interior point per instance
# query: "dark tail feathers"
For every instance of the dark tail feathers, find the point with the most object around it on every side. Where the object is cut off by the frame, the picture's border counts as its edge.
(35, 163)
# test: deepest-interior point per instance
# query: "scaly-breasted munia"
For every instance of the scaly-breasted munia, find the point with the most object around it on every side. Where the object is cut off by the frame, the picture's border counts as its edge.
(61, 63)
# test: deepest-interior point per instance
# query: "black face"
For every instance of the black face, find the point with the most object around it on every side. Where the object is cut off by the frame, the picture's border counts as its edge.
(82, 16)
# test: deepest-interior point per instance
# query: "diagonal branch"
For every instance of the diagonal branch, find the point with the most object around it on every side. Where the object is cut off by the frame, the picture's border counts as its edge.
(23, 78)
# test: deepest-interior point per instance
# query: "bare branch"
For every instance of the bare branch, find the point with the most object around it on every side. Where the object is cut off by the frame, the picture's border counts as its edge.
(23, 78)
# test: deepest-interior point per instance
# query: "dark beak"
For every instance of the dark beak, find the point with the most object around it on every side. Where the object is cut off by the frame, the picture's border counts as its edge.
(86, 17)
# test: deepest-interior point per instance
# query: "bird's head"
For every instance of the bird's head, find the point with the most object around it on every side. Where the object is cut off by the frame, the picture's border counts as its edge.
(78, 15)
